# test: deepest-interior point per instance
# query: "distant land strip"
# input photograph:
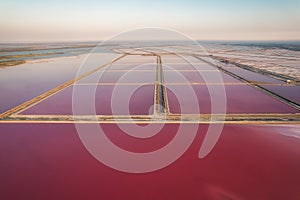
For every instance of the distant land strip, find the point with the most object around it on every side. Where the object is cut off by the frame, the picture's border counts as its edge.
(283, 77)
(21, 57)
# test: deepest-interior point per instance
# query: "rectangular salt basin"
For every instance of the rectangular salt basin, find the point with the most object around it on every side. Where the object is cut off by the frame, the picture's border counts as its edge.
(253, 77)
(131, 66)
(193, 66)
(190, 63)
(173, 60)
(120, 77)
(184, 99)
(136, 59)
(182, 59)
(287, 91)
(97, 99)
(198, 77)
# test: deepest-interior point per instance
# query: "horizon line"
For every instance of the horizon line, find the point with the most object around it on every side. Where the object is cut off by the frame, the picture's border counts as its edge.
(203, 40)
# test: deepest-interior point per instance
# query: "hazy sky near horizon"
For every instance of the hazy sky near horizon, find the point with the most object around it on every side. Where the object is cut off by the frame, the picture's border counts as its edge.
(56, 20)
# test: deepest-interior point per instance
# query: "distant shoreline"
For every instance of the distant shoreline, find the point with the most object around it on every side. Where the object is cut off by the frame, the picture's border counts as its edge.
(12, 55)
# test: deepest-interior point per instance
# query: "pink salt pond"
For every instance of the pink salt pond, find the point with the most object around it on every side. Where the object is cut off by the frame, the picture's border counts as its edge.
(100, 100)
(48, 161)
(240, 99)
(198, 77)
(111, 76)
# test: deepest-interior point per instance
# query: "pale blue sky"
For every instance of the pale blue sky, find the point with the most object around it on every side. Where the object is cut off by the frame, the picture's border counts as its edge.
(32, 20)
